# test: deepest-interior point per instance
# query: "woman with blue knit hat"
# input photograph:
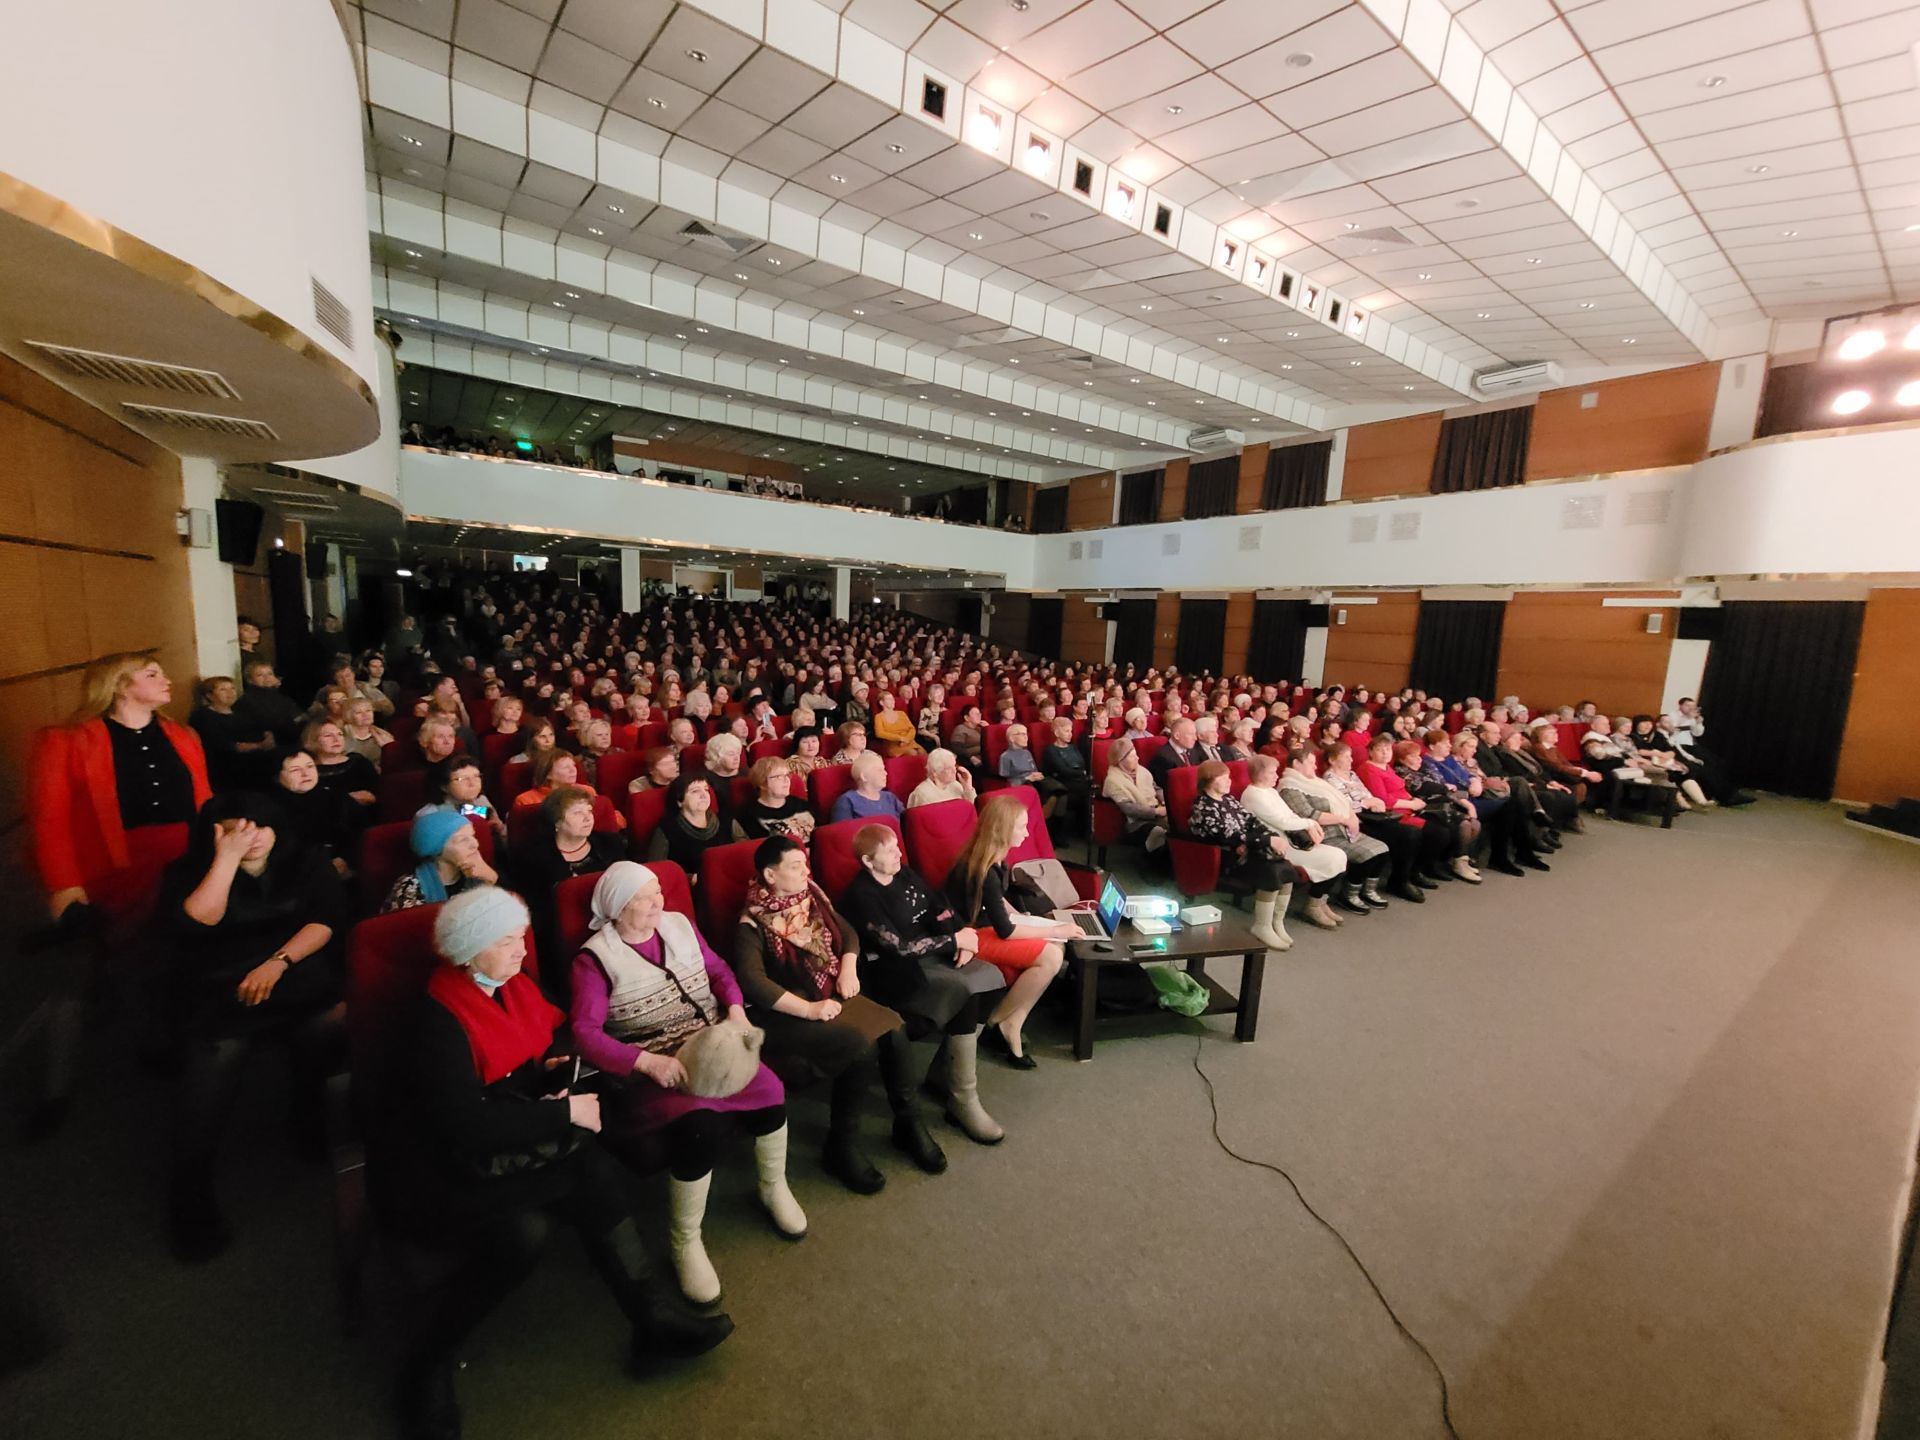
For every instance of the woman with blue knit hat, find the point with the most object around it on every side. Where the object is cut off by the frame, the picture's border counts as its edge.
(486, 1151)
(450, 862)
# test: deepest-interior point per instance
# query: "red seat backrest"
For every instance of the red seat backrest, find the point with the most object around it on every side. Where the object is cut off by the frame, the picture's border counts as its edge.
(644, 809)
(1039, 844)
(694, 757)
(936, 834)
(386, 853)
(725, 872)
(1183, 785)
(496, 750)
(740, 792)
(904, 772)
(1100, 762)
(618, 769)
(831, 852)
(625, 736)
(573, 904)
(826, 785)
(402, 793)
(524, 823)
(769, 750)
(1569, 734)
(653, 733)
(513, 780)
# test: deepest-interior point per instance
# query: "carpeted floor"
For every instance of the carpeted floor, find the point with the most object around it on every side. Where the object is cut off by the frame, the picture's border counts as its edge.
(1626, 1145)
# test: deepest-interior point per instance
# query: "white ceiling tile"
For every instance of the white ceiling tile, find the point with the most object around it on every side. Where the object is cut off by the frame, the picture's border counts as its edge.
(1230, 29)
(1331, 44)
(501, 33)
(620, 27)
(1535, 53)
(1793, 97)
(1372, 81)
(1200, 98)
(1704, 42)
(1083, 38)
(585, 69)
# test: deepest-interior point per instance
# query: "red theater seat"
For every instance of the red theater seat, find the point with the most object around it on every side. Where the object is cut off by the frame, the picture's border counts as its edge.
(573, 904)
(831, 853)
(725, 872)
(904, 772)
(386, 854)
(644, 809)
(828, 784)
(619, 769)
(936, 834)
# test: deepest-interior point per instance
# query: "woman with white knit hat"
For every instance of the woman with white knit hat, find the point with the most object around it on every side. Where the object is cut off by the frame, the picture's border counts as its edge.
(494, 1151)
(646, 989)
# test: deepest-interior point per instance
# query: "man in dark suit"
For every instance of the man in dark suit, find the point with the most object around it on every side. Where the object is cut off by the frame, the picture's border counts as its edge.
(1179, 752)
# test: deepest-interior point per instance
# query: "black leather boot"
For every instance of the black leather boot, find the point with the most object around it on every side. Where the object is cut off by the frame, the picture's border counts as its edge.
(910, 1135)
(664, 1325)
(843, 1158)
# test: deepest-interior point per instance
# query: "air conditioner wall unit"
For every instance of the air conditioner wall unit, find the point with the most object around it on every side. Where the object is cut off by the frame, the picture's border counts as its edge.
(1216, 438)
(1514, 379)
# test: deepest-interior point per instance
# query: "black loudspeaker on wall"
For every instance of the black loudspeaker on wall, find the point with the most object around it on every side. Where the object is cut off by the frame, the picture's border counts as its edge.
(317, 568)
(1699, 622)
(238, 523)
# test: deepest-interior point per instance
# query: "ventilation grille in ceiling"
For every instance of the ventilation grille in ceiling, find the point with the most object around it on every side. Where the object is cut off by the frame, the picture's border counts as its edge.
(332, 313)
(125, 370)
(1405, 525)
(1170, 544)
(1249, 537)
(1583, 512)
(705, 237)
(1363, 529)
(196, 420)
(1649, 507)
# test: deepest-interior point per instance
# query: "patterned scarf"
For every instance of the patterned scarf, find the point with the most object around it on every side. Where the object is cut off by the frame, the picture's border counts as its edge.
(800, 951)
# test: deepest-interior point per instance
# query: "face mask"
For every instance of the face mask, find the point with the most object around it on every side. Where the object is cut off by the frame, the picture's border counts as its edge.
(486, 982)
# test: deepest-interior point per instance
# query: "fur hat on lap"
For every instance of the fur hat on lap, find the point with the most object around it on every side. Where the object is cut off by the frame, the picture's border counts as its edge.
(721, 1059)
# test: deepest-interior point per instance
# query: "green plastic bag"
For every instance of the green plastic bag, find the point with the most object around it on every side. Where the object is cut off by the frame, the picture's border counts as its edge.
(1179, 991)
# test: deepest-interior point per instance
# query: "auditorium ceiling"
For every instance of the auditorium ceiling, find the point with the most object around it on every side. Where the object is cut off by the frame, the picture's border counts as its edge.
(736, 194)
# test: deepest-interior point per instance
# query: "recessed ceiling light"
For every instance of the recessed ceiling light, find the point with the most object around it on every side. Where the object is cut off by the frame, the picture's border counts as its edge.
(1586, 304)
(656, 102)
(1300, 59)
(1482, 315)
(1199, 402)
(1152, 404)
(413, 254)
(838, 179)
(1293, 334)
(1533, 259)
(595, 230)
(1038, 215)
(411, 141)
(540, 350)
(775, 260)
(617, 209)
(1758, 169)
(409, 170)
(1629, 341)
(679, 337)
(1789, 234)
(1014, 361)
(1713, 82)
(1133, 379)
(1021, 5)
(859, 312)
(975, 235)
(701, 329)
(559, 304)
(1222, 340)
(1354, 363)
(1425, 275)
(1353, 224)
(573, 294)
(1467, 204)
(699, 57)
(1176, 109)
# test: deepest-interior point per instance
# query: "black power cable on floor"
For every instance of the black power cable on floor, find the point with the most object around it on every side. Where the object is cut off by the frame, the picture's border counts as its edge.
(1213, 1104)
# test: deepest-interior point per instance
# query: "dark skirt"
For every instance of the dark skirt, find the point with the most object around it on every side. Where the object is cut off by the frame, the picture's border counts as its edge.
(931, 990)
(805, 1052)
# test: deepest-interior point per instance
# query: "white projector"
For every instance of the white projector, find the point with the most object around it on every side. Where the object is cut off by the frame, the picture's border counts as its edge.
(1201, 915)
(1150, 907)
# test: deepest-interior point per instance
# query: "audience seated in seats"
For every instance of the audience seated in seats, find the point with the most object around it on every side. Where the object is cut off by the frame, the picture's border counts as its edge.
(1413, 847)
(1065, 764)
(1130, 785)
(774, 809)
(893, 731)
(595, 745)
(1451, 759)
(541, 739)
(449, 862)
(237, 747)
(551, 768)
(923, 963)
(1018, 767)
(1440, 807)
(486, 1147)
(932, 711)
(646, 983)
(799, 968)
(563, 844)
(1324, 865)
(1543, 747)
(1486, 756)
(853, 743)
(806, 757)
(1027, 949)
(692, 825)
(1256, 856)
(265, 706)
(1438, 847)
(724, 753)
(316, 815)
(457, 784)
(662, 769)
(1368, 859)
(1664, 736)
(947, 779)
(1177, 753)
(343, 773)
(1614, 762)
(365, 738)
(869, 796)
(249, 916)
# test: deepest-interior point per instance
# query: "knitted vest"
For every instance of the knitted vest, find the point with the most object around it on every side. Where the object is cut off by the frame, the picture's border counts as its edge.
(644, 1006)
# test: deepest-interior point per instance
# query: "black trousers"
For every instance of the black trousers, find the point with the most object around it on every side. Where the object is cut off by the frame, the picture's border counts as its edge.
(1407, 847)
(693, 1141)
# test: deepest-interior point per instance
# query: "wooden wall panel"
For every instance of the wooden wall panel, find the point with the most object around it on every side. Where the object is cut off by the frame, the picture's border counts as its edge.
(1390, 457)
(1166, 608)
(91, 564)
(1560, 649)
(1878, 761)
(1239, 627)
(1253, 483)
(1638, 423)
(1090, 502)
(1375, 646)
(1083, 634)
(1007, 627)
(1173, 495)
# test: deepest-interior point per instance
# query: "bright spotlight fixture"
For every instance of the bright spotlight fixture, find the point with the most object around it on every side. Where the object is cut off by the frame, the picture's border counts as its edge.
(1862, 343)
(1851, 402)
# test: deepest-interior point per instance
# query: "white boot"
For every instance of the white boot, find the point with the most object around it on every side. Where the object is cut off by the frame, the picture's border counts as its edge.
(1691, 789)
(963, 1091)
(688, 1199)
(1463, 867)
(770, 1156)
(1268, 926)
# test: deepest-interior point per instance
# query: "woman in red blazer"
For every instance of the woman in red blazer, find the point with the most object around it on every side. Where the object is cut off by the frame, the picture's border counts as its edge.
(110, 795)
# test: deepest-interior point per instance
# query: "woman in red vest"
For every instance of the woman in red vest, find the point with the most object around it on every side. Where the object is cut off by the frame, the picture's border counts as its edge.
(109, 796)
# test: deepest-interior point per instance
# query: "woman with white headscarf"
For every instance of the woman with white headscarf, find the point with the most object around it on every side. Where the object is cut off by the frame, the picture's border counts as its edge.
(646, 984)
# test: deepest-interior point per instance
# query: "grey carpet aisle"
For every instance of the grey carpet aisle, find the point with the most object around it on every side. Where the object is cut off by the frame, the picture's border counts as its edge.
(1624, 1144)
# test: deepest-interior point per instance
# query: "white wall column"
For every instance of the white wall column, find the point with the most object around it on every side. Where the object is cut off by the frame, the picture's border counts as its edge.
(630, 587)
(1313, 658)
(842, 593)
(1686, 667)
(216, 613)
(1337, 466)
(1736, 401)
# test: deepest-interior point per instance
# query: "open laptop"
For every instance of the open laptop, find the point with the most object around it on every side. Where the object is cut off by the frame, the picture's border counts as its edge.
(1104, 919)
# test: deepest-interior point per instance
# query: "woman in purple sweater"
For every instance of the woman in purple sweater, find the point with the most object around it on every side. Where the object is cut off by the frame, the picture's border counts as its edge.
(645, 984)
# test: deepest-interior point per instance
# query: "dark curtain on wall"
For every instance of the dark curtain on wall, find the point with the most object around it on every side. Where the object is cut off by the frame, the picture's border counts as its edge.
(1482, 452)
(1201, 641)
(1043, 627)
(1775, 695)
(1140, 497)
(968, 506)
(1210, 487)
(1456, 647)
(1050, 510)
(1277, 647)
(1133, 632)
(1297, 476)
